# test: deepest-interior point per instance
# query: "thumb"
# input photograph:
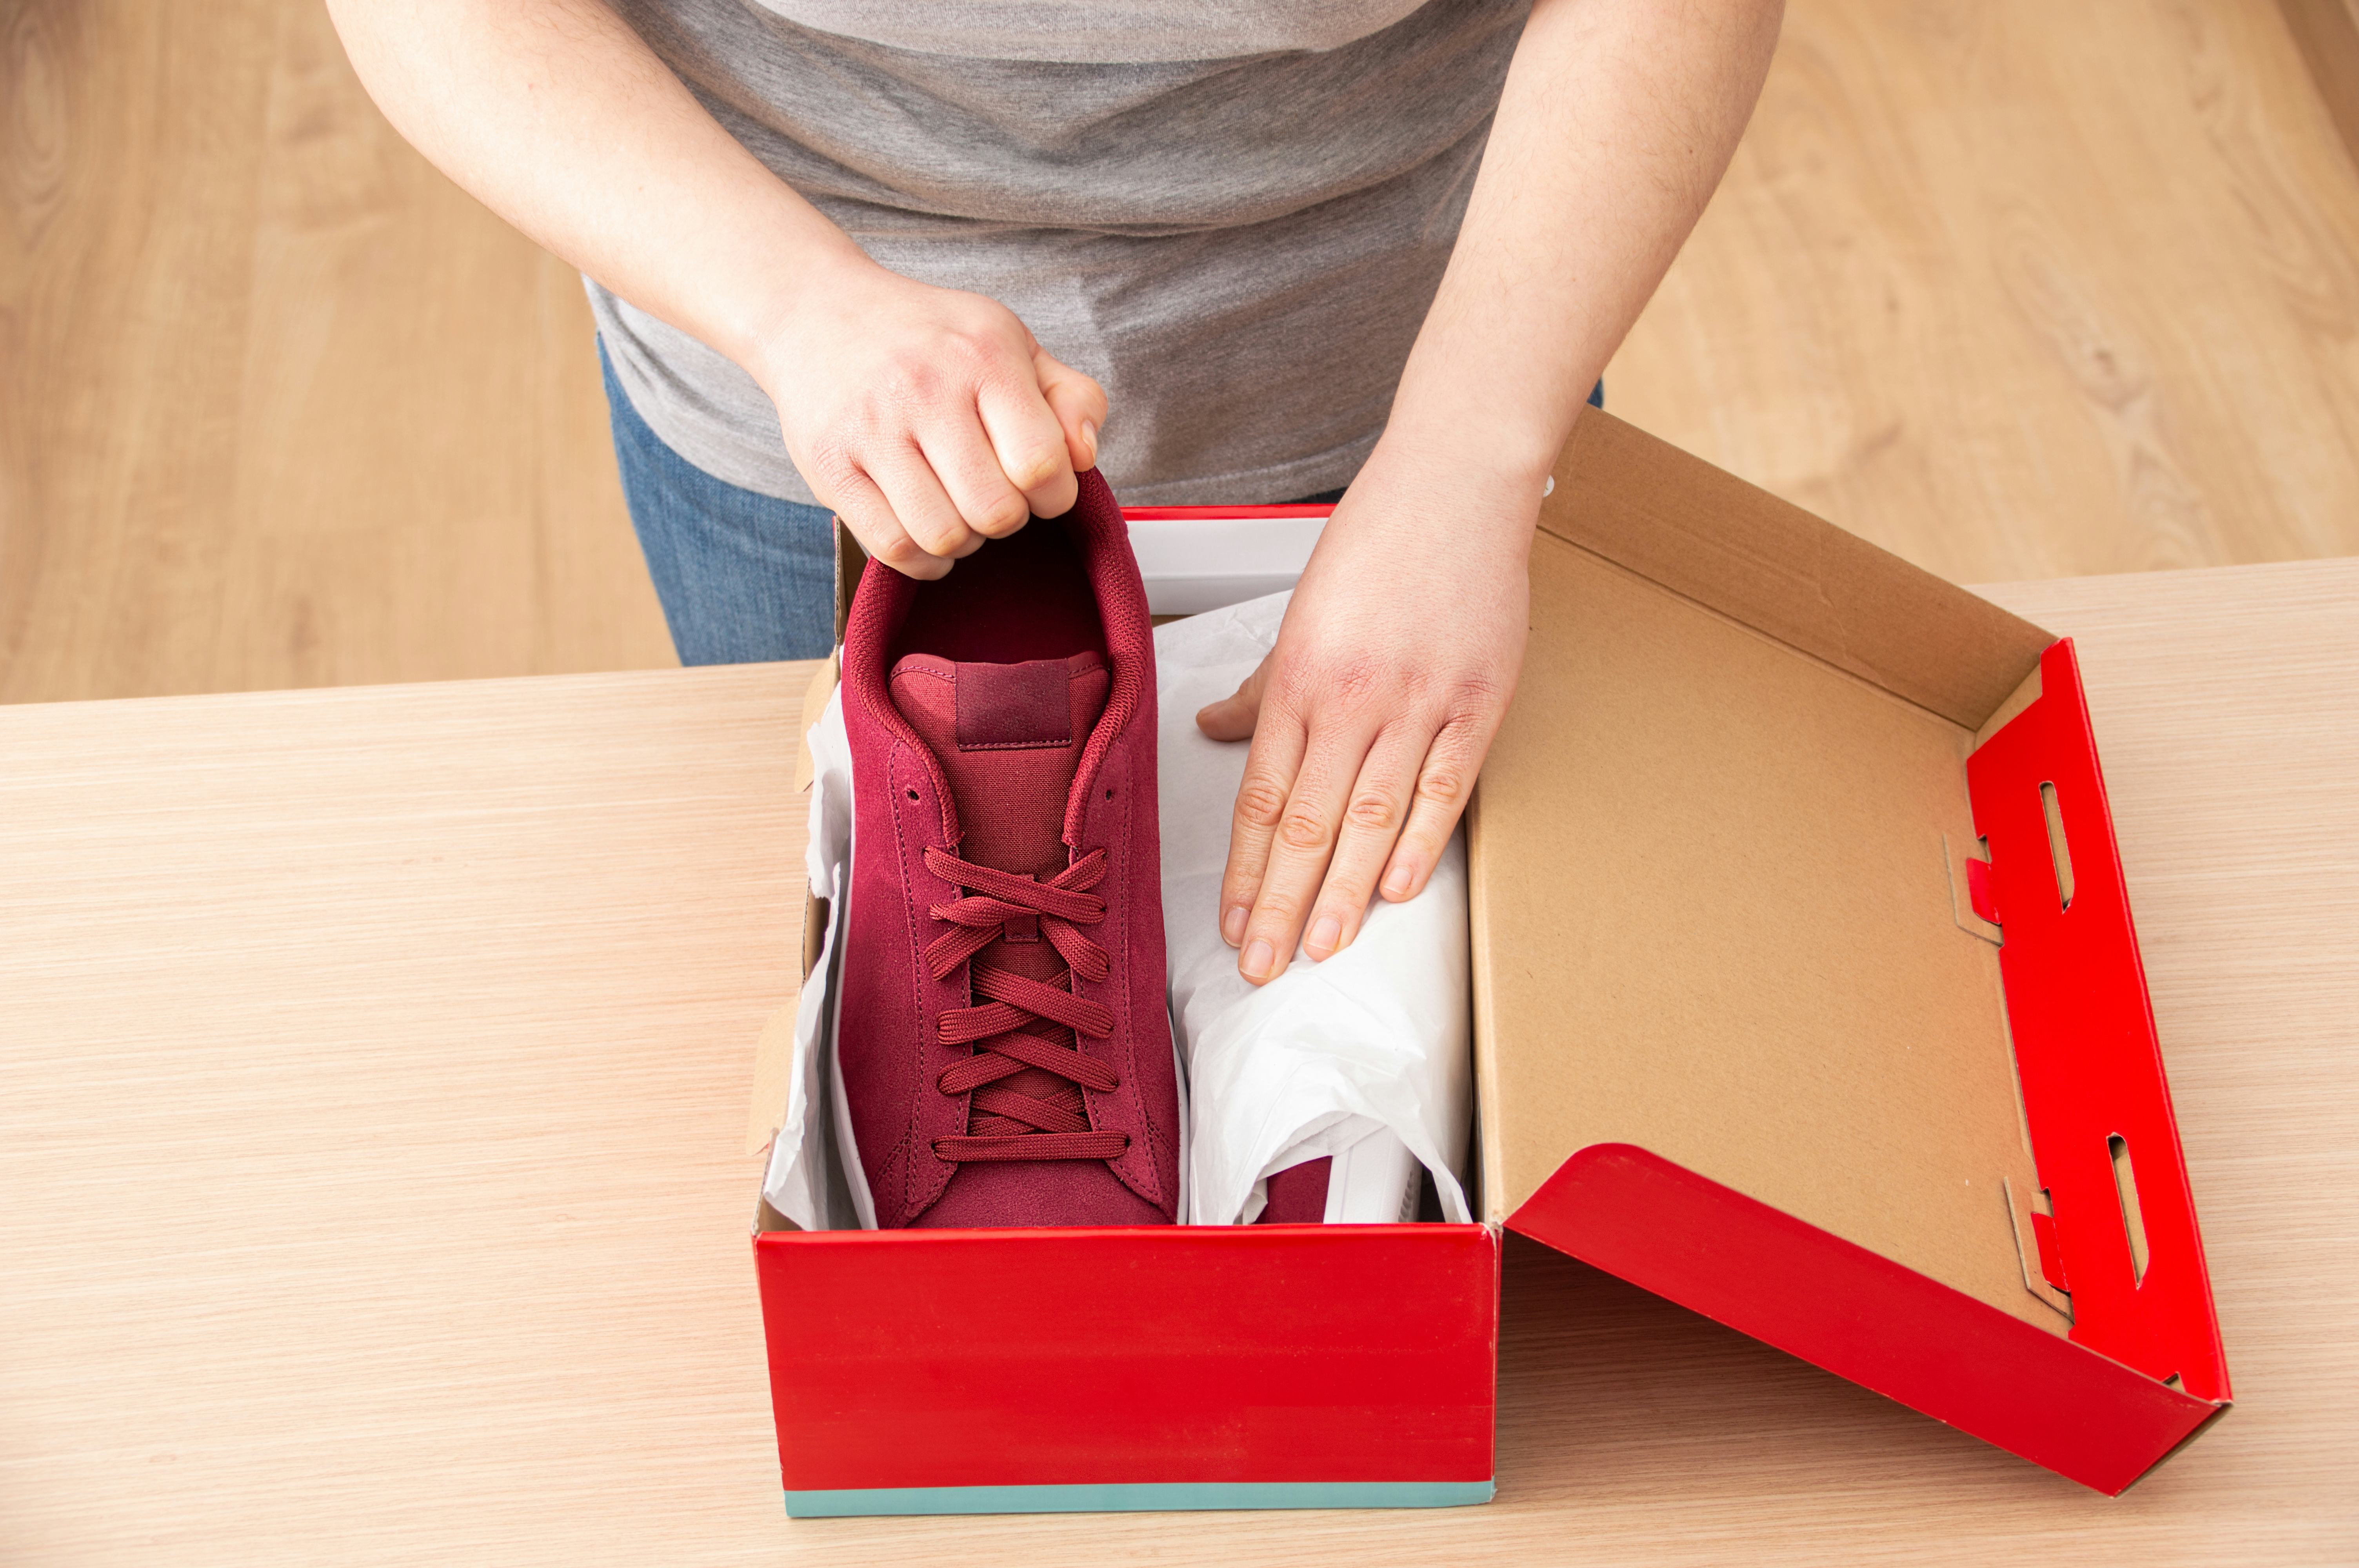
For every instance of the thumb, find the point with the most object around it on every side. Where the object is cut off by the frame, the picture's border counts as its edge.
(1232, 717)
(1079, 404)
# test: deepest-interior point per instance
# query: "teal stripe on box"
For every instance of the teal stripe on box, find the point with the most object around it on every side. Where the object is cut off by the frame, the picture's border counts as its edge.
(1172, 1494)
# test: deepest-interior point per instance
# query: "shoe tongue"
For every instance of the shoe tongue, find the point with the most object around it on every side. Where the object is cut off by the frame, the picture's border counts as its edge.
(1008, 738)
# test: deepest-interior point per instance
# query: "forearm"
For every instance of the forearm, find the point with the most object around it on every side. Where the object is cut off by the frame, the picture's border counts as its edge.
(558, 117)
(1618, 119)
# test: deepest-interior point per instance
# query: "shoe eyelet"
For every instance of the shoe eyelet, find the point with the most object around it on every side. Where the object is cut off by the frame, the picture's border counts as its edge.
(913, 795)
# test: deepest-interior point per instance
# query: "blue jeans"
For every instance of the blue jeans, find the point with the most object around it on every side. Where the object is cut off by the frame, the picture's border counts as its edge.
(744, 577)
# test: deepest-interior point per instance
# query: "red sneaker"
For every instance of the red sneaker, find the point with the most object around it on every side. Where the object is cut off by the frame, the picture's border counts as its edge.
(1004, 1047)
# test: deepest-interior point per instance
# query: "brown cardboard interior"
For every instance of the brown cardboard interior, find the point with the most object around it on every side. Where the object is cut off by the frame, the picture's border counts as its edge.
(1711, 870)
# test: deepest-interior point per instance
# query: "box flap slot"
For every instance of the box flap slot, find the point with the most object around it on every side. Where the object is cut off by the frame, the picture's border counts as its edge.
(2123, 1229)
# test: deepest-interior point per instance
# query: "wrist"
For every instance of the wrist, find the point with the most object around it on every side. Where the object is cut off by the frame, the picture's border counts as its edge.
(1468, 520)
(1484, 486)
(817, 280)
(1493, 456)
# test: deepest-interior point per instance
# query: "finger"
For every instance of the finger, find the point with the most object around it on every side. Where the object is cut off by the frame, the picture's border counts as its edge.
(1231, 717)
(1300, 849)
(1028, 445)
(1080, 404)
(1262, 795)
(965, 465)
(1379, 806)
(917, 500)
(1443, 783)
(864, 510)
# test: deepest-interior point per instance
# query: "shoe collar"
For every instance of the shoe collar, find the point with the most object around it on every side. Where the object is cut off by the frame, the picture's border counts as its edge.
(1098, 533)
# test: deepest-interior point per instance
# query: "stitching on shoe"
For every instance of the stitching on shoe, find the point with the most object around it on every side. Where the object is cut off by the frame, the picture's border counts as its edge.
(914, 1126)
(1128, 1033)
(1130, 1012)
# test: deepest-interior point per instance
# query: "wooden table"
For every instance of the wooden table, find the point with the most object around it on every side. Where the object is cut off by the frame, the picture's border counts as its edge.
(373, 1077)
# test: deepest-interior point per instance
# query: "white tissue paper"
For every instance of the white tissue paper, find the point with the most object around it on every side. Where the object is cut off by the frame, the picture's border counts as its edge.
(805, 1181)
(1363, 1057)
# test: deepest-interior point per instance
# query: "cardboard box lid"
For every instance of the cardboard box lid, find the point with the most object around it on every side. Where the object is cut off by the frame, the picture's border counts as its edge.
(1730, 966)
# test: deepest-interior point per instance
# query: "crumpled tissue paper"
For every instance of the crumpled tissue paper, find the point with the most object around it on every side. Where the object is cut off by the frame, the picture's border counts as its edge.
(1371, 1045)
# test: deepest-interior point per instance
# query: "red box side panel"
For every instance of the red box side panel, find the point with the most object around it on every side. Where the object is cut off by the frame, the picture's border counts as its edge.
(2084, 1043)
(1858, 1314)
(1193, 1354)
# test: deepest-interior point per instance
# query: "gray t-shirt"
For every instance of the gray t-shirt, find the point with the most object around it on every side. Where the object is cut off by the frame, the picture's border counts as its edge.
(1232, 214)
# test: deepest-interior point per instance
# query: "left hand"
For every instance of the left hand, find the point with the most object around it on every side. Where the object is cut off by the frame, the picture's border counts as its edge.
(1373, 714)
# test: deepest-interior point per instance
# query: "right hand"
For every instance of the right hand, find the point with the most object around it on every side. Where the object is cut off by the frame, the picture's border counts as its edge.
(929, 419)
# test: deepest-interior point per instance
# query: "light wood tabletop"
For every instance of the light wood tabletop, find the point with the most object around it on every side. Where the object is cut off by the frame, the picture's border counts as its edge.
(372, 1081)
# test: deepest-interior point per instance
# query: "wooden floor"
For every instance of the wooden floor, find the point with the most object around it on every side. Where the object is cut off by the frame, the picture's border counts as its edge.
(280, 405)
(2022, 289)
(2017, 289)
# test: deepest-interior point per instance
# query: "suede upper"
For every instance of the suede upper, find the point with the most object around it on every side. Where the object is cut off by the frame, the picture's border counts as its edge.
(1004, 718)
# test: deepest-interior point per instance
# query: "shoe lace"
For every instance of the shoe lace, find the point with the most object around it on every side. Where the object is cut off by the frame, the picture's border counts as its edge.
(1006, 1123)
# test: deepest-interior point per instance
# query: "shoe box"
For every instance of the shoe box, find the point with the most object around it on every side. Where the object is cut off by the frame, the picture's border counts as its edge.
(1806, 995)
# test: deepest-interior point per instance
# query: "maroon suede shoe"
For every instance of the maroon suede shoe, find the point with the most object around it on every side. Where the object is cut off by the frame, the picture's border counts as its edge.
(1002, 1043)
(1298, 1195)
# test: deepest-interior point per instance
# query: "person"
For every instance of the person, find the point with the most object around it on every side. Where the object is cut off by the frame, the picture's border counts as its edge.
(918, 264)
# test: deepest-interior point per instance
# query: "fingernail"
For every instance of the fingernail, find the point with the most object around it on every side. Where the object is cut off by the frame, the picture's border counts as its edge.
(1325, 933)
(1397, 882)
(1090, 438)
(1255, 964)
(1232, 925)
